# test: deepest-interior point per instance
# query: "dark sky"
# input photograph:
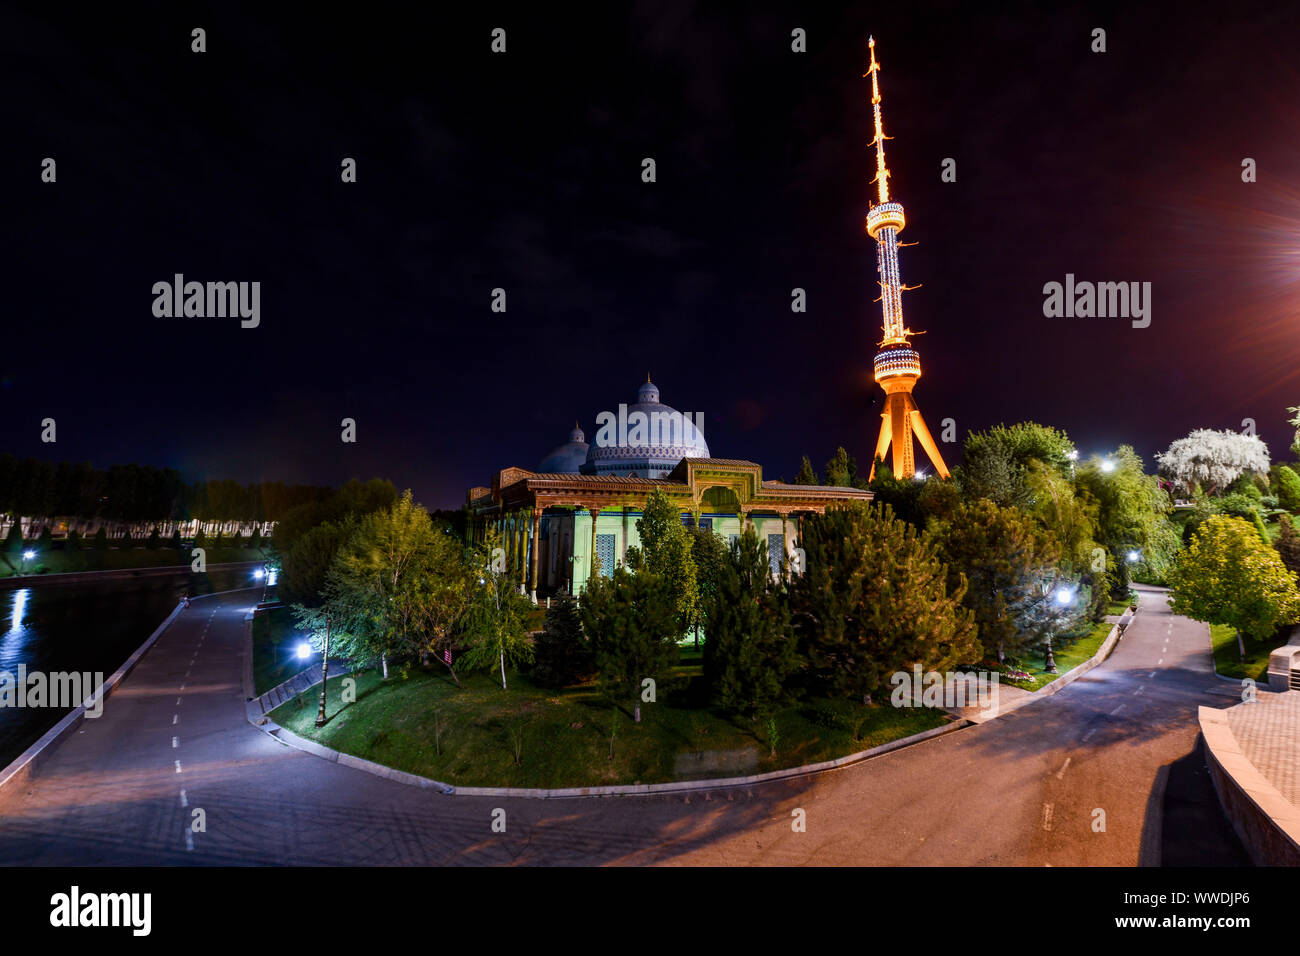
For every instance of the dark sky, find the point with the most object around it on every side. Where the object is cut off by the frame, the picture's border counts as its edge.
(522, 171)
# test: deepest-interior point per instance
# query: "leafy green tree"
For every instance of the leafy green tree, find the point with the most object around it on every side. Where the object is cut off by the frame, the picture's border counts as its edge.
(1228, 576)
(875, 599)
(751, 651)
(376, 587)
(666, 551)
(1003, 556)
(1071, 517)
(561, 653)
(305, 568)
(1288, 544)
(709, 554)
(806, 474)
(996, 463)
(632, 624)
(1131, 512)
(496, 622)
(903, 495)
(1287, 484)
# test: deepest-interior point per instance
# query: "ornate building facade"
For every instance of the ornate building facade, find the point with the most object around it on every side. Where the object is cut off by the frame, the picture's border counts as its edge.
(585, 498)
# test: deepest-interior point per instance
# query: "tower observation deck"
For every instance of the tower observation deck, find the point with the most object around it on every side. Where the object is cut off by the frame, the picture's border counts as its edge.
(897, 365)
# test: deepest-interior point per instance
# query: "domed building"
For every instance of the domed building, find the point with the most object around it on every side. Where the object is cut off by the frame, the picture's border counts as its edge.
(646, 439)
(567, 458)
(581, 505)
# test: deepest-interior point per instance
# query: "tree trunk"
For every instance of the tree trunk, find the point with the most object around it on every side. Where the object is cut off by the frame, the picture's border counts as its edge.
(636, 712)
(383, 662)
(1241, 645)
(503, 667)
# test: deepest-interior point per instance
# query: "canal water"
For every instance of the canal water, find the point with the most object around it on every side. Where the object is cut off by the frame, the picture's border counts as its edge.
(85, 627)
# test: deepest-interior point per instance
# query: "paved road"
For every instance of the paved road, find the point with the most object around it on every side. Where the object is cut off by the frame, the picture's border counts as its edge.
(1020, 790)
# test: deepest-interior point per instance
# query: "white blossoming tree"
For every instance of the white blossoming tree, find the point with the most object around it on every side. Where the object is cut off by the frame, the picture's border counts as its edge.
(1213, 459)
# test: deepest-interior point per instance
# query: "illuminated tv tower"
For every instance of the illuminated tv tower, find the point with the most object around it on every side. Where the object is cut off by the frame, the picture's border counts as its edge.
(897, 364)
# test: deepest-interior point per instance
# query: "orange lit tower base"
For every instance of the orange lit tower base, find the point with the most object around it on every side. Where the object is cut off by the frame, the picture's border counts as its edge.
(897, 364)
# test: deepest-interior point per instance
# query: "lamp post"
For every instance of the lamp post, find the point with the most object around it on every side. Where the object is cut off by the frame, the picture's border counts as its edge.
(324, 673)
(27, 556)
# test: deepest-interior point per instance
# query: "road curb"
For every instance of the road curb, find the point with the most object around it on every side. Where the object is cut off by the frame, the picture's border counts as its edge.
(82, 577)
(289, 738)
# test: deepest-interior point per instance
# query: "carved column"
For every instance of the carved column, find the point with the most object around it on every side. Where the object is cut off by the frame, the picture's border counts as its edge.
(785, 547)
(532, 554)
(591, 563)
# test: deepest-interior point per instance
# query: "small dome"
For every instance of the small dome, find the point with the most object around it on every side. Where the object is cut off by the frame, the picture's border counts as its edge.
(647, 394)
(566, 459)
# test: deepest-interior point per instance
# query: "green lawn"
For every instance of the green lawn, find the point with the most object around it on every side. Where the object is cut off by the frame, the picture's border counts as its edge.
(1227, 655)
(275, 640)
(1067, 657)
(529, 736)
(58, 561)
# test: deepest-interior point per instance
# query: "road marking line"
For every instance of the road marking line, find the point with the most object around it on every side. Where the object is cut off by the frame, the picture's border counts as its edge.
(182, 685)
(189, 839)
(1090, 733)
(1152, 674)
(1047, 816)
(178, 766)
(1061, 773)
(1117, 710)
(1138, 691)
(175, 718)
(1161, 661)
(184, 799)
(178, 701)
(176, 742)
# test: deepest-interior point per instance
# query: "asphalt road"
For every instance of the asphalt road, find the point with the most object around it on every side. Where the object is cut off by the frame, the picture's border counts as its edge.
(1024, 789)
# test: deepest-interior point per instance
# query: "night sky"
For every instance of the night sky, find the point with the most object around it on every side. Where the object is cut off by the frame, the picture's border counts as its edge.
(522, 171)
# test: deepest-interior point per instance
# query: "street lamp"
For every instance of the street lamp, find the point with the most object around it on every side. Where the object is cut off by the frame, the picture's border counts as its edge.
(324, 673)
(1063, 597)
(1107, 465)
(1134, 557)
(1073, 456)
(27, 556)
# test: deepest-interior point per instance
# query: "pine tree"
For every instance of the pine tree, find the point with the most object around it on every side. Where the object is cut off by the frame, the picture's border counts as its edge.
(751, 650)
(806, 474)
(176, 539)
(561, 652)
(14, 540)
(101, 539)
(875, 600)
(155, 540)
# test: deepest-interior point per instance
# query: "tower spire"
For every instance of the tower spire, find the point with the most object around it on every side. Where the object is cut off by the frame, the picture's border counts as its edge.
(897, 365)
(882, 171)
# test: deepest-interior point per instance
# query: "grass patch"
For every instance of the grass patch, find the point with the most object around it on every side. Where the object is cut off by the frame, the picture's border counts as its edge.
(274, 646)
(58, 561)
(528, 736)
(1068, 657)
(1227, 655)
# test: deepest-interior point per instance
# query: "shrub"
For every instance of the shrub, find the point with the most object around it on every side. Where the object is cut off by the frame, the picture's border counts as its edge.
(73, 542)
(1287, 485)
(101, 539)
(155, 540)
(176, 539)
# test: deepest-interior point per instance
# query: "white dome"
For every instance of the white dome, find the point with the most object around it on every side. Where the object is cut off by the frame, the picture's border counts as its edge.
(652, 444)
